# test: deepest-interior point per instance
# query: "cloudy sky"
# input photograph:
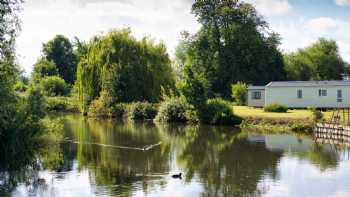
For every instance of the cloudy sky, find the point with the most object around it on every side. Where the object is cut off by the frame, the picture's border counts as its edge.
(300, 22)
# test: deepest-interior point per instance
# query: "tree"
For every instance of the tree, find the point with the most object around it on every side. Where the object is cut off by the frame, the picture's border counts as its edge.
(54, 86)
(9, 72)
(320, 61)
(128, 69)
(44, 68)
(239, 93)
(60, 51)
(234, 44)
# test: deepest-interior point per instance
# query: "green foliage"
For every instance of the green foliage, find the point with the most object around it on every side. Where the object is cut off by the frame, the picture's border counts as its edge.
(54, 86)
(20, 87)
(101, 107)
(44, 68)
(173, 110)
(60, 51)
(36, 106)
(239, 93)
(194, 89)
(142, 111)
(320, 61)
(119, 110)
(276, 107)
(65, 104)
(220, 112)
(316, 114)
(128, 69)
(234, 44)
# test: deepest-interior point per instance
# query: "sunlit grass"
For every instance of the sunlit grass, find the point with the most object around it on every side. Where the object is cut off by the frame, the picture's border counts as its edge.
(244, 111)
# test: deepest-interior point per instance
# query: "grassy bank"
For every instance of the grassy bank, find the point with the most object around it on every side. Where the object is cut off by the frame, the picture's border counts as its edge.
(294, 120)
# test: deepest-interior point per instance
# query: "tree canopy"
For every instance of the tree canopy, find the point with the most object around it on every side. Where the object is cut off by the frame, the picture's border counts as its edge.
(234, 44)
(44, 68)
(128, 69)
(60, 51)
(320, 61)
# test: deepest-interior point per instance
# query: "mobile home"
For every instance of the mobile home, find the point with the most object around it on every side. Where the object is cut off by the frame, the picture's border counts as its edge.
(256, 96)
(301, 94)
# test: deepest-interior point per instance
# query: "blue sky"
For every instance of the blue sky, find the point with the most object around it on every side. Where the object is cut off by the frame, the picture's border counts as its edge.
(299, 22)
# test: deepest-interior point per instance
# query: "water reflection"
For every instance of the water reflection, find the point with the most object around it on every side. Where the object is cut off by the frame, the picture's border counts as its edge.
(216, 161)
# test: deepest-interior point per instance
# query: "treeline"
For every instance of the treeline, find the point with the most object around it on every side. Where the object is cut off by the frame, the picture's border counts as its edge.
(234, 44)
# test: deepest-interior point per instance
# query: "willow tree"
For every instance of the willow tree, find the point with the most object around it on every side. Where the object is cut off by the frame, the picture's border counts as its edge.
(128, 69)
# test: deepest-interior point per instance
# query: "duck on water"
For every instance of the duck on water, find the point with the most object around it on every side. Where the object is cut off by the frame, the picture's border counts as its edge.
(177, 176)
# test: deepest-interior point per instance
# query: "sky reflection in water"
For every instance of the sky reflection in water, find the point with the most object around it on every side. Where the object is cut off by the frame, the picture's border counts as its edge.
(216, 161)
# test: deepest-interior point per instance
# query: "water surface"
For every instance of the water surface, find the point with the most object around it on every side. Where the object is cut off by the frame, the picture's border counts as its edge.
(106, 158)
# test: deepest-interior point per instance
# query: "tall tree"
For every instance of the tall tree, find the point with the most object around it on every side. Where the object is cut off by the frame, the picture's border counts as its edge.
(320, 61)
(234, 44)
(9, 26)
(60, 51)
(128, 69)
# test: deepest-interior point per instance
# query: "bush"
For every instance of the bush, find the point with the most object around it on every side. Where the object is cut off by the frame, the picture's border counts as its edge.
(276, 107)
(36, 104)
(101, 107)
(66, 104)
(142, 111)
(239, 93)
(316, 114)
(219, 111)
(119, 110)
(20, 87)
(54, 86)
(173, 110)
(44, 68)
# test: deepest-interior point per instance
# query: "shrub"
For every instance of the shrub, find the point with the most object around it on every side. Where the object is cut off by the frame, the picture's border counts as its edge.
(173, 110)
(101, 107)
(276, 107)
(239, 93)
(54, 86)
(119, 110)
(142, 111)
(56, 104)
(66, 104)
(20, 87)
(316, 114)
(36, 104)
(219, 111)
(44, 68)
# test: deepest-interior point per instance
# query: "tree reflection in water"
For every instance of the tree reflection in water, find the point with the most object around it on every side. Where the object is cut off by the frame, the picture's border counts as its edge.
(222, 160)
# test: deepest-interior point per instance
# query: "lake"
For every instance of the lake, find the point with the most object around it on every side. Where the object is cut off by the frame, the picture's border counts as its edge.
(115, 158)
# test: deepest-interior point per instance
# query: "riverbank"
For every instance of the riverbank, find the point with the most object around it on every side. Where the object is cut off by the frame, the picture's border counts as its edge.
(294, 120)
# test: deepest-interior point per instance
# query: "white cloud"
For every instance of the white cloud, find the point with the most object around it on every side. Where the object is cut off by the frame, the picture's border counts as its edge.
(272, 7)
(342, 2)
(42, 20)
(321, 25)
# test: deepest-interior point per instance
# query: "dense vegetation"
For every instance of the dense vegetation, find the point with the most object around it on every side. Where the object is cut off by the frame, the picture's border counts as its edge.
(276, 107)
(116, 75)
(127, 69)
(20, 117)
(233, 45)
(320, 61)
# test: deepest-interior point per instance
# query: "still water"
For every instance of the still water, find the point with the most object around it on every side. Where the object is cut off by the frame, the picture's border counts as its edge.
(112, 158)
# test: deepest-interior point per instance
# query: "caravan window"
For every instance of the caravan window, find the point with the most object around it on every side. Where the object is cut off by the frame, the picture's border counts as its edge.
(300, 94)
(322, 92)
(256, 95)
(339, 96)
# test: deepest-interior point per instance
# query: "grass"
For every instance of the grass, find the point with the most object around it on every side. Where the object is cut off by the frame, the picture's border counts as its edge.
(244, 112)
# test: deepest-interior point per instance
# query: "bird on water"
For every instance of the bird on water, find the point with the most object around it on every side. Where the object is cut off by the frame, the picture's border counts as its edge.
(177, 176)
